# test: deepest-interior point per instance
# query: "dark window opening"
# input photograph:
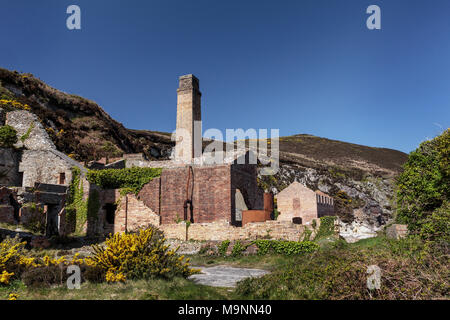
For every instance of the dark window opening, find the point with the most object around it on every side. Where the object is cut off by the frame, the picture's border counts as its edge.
(20, 179)
(110, 212)
(62, 178)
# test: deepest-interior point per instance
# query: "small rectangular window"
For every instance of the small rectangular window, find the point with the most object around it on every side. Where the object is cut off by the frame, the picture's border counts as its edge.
(62, 178)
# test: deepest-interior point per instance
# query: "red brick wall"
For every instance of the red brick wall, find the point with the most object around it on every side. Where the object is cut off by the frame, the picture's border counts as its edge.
(173, 194)
(212, 194)
(149, 194)
(209, 188)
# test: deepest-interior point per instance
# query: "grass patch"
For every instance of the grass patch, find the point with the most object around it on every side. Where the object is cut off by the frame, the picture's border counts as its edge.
(153, 289)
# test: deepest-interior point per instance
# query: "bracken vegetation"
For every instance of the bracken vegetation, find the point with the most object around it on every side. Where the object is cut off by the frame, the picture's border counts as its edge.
(409, 271)
(76, 125)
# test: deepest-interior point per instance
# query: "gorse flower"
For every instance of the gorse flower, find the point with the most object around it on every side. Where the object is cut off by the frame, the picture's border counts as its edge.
(138, 255)
(14, 104)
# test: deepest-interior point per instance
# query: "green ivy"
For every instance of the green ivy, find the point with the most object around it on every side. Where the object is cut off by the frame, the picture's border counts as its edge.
(93, 204)
(129, 180)
(237, 250)
(76, 207)
(223, 247)
(326, 227)
(27, 134)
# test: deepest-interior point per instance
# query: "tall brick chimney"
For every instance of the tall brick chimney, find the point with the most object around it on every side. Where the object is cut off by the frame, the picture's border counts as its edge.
(188, 111)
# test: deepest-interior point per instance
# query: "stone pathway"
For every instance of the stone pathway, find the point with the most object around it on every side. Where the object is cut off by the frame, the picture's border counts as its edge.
(223, 276)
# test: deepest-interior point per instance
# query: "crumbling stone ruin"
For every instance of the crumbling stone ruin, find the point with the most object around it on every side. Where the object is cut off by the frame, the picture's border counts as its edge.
(189, 200)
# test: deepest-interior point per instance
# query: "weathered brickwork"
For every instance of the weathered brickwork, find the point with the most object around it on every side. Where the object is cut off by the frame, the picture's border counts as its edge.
(133, 214)
(150, 195)
(209, 189)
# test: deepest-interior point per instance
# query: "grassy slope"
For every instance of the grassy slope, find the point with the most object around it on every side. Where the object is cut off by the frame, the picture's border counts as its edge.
(336, 271)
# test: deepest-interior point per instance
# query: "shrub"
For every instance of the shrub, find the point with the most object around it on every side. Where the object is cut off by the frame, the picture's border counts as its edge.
(340, 272)
(436, 227)
(423, 187)
(28, 133)
(12, 259)
(285, 247)
(45, 276)
(129, 179)
(8, 136)
(326, 227)
(223, 247)
(138, 255)
(237, 250)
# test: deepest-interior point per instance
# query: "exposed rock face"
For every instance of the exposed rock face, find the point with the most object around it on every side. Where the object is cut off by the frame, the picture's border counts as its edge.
(371, 195)
(30, 132)
(355, 231)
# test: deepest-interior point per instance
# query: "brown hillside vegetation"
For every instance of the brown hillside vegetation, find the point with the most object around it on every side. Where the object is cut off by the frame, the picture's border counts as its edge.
(316, 152)
(80, 127)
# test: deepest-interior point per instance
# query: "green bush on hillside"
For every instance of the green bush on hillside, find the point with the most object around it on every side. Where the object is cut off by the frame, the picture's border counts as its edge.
(424, 187)
(8, 136)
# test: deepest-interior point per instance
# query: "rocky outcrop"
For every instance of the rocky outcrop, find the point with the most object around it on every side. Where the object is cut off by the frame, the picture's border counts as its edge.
(30, 132)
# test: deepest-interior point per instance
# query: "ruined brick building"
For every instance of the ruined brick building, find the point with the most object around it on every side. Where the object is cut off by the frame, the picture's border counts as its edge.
(189, 190)
(221, 201)
(299, 202)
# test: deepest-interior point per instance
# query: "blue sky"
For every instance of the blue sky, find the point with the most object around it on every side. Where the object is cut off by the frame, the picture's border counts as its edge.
(299, 66)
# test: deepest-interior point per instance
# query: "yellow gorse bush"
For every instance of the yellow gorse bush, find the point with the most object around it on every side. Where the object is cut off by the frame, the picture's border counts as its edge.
(5, 276)
(13, 296)
(14, 104)
(113, 276)
(12, 255)
(138, 255)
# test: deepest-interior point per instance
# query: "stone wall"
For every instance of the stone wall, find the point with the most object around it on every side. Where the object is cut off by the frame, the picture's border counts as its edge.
(133, 214)
(222, 230)
(397, 231)
(45, 167)
(24, 122)
(9, 167)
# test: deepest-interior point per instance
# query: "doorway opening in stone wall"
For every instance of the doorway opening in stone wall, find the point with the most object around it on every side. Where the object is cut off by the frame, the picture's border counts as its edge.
(20, 179)
(51, 220)
(110, 215)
